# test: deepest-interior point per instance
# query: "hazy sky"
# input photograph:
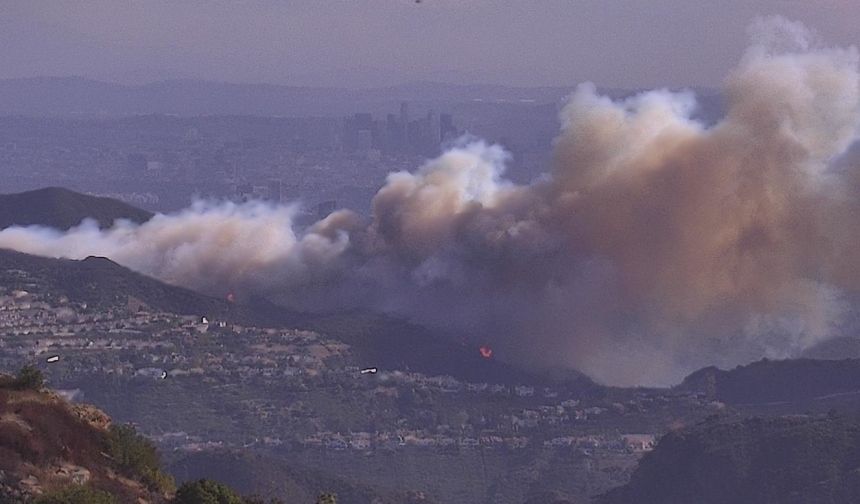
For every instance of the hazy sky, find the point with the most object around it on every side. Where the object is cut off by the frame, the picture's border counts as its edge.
(357, 43)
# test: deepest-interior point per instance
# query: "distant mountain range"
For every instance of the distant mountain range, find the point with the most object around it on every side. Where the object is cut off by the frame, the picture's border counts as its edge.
(64, 96)
(62, 209)
(75, 96)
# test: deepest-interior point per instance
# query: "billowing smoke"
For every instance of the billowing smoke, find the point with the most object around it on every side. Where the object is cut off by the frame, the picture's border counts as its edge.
(655, 244)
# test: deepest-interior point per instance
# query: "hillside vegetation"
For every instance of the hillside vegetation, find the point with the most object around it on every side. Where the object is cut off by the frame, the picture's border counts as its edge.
(783, 460)
(56, 451)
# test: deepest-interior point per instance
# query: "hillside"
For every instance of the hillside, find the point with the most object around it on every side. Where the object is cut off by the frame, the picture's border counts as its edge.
(47, 444)
(397, 344)
(781, 460)
(60, 208)
(268, 476)
(384, 341)
(103, 284)
(778, 381)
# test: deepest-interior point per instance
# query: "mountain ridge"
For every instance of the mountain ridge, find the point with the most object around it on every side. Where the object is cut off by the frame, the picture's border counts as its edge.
(62, 209)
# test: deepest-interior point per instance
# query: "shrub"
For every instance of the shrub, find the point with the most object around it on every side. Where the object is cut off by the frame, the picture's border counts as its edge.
(76, 495)
(137, 457)
(206, 492)
(256, 499)
(29, 378)
(327, 498)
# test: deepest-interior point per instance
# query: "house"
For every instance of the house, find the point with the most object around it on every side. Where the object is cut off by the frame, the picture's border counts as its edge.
(516, 443)
(524, 391)
(151, 372)
(639, 443)
(560, 442)
(336, 444)
(360, 443)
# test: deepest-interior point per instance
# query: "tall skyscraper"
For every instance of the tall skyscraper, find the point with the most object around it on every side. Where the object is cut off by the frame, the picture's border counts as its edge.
(404, 125)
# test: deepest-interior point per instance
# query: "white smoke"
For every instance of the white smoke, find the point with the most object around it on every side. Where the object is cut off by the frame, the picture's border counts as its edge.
(655, 244)
(212, 247)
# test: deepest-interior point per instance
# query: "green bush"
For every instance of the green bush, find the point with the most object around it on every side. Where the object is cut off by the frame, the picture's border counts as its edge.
(137, 457)
(206, 492)
(76, 495)
(256, 499)
(29, 378)
(327, 498)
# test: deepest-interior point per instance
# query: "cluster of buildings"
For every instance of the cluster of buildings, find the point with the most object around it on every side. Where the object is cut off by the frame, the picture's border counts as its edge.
(399, 133)
(161, 163)
(287, 380)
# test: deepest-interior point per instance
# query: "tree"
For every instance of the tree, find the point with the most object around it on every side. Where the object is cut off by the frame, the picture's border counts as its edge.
(327, 498)
(30, 378)
(206, 491)
(137, 457)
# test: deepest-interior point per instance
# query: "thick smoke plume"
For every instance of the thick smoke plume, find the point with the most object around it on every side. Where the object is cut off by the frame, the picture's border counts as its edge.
(654, 245)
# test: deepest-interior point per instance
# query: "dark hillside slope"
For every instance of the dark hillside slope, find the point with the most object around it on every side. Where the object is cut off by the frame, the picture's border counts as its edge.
(788, 460)
(773, 381)
(102, 283)
(375, 339)
(396, 344)
(61, 208)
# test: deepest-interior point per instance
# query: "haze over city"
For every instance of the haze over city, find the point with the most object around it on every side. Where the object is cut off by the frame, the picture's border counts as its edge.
(362, 43)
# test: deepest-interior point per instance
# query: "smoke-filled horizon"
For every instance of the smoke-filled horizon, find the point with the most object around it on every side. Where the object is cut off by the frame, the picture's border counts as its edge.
(653, 246)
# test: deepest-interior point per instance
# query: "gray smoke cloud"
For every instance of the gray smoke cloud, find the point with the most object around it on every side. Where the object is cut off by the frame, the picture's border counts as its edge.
(653, 246)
